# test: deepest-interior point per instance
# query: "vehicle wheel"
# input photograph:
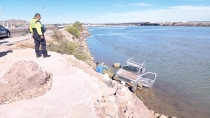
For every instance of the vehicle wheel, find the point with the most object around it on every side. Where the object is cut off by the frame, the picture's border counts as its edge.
(133, 89)
(119, 81)
(113, 77)
(8, 34)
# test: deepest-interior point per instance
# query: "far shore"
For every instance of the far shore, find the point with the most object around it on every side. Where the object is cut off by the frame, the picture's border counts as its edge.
(192, 24)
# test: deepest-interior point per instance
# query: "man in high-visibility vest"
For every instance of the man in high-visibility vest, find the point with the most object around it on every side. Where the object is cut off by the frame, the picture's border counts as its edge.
(37, 29)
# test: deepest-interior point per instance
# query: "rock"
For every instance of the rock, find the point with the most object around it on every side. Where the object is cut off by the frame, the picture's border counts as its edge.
(106, 77)
(24, 80)
(120, 86)
(108, 116)
(109, 83)
(152, 112)
(111, 91)
(130, 115)
(163, 116)
(111, 109)
(111, 98)
(116, 65)
(123, 89)
(120, 93)
(114, 83)
(156, 115)
(123, 113)
(137, 115)
(123, 104)
(104, 89)
(140, 108)
(130, 107)
(100, 112)
(104, 98)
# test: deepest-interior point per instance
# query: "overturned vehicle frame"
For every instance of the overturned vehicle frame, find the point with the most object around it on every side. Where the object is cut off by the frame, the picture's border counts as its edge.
(133, 75)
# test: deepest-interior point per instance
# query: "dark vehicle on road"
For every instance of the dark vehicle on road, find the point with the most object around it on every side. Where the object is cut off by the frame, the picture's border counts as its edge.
(4, 32)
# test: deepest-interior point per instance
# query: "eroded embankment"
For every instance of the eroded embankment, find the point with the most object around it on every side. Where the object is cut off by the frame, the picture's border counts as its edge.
(74, 91)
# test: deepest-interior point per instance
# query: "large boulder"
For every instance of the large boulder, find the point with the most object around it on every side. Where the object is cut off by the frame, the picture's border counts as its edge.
(116, 65)
(24, 80)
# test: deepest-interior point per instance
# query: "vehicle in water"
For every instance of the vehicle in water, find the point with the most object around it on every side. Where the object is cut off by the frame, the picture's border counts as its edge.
(133, 75)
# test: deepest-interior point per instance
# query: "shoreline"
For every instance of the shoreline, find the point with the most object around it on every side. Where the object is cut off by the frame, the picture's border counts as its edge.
(162, 95)
(85, 39)
(83, 42)
(194, 24)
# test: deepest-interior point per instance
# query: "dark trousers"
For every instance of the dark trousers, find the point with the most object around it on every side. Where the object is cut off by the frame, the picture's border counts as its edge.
(38, 41)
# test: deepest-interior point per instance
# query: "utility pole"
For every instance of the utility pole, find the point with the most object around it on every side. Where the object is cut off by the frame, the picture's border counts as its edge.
(43, 9)
(58, 18)
(64, 19)
(2, 16)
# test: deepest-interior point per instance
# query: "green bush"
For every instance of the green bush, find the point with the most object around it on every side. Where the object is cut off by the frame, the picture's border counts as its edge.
(78, 25)
(74, 31)
(60, 45)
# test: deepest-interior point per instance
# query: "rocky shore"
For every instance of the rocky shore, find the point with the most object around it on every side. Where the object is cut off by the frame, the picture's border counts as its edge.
(76, 89)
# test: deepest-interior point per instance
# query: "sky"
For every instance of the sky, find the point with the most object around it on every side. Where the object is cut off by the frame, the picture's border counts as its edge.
(107, 11)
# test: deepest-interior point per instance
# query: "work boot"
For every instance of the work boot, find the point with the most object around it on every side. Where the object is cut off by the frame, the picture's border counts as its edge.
(38, 55)
(45, 56)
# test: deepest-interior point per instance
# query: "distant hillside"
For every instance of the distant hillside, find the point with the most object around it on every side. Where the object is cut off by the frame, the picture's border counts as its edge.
(15, 22)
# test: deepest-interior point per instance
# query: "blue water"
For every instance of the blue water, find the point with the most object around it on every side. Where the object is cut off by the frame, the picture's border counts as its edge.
(179, 55)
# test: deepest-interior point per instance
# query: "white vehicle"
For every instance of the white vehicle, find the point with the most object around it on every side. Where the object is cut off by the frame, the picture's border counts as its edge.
(133, 75)
(60, 26)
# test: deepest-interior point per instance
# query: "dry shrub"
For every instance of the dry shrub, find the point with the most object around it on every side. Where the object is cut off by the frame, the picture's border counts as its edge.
(63, 46)
(57, 35)
(25, 45)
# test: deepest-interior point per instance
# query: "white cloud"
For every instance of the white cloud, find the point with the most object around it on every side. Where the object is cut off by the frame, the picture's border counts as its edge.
(174, 13)
(139, 4)
(118, 5)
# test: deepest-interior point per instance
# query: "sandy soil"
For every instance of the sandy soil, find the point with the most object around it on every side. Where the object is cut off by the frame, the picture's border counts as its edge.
(71, 93)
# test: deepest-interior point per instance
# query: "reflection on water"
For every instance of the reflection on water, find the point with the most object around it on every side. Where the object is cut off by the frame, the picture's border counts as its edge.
(179, 55)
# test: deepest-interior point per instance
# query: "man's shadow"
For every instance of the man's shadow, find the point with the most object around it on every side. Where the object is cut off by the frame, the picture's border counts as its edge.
(4, 53)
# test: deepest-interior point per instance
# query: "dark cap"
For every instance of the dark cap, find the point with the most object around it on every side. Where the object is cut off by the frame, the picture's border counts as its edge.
(37, 14)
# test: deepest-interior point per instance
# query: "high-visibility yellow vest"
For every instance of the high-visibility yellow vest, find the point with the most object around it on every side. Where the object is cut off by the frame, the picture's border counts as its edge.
(36, 27)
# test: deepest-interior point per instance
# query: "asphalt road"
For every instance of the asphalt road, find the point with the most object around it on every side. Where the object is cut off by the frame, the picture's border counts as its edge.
(17, 31)
(21, 31)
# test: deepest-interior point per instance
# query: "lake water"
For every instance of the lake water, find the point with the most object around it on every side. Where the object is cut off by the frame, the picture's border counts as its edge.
(179, 55)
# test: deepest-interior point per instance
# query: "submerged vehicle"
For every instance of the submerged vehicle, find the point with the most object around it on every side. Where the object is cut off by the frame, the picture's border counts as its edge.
(133, 75)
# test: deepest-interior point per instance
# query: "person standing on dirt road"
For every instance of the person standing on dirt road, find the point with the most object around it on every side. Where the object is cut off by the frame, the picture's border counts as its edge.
(37, 29)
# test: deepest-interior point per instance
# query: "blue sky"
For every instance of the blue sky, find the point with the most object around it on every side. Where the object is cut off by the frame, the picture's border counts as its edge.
(107, 11)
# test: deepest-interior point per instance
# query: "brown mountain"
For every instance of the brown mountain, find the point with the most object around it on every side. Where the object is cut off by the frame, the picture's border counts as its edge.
(15, 22)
